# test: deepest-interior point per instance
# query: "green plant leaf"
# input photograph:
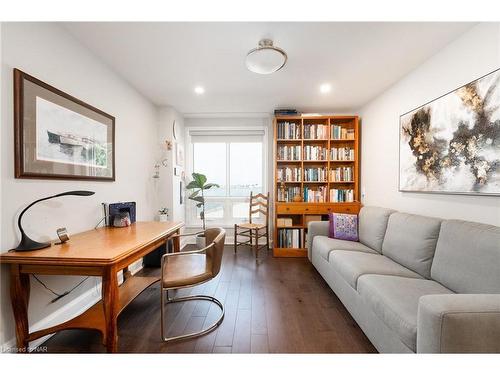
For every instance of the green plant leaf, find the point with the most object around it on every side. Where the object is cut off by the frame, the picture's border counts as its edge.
(194, 194)
(199, 205)
(193, 185)
(198, 199)
(210, 185)
(200, 179)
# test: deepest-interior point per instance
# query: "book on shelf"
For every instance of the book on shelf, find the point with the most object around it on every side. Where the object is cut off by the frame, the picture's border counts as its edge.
(341, 195)
(339, 132)
(287, 193)
(312, 152)
(289, 174)
(317, 194)
(342, 174)
(315, 131)
(342, 154)
(312, 174)
(288, 130)
(284, 222)
(289, 238)
(289, 152)
(285, 112)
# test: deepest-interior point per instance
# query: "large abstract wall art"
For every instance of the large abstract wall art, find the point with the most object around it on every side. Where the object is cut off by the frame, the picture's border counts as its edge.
(452, 144)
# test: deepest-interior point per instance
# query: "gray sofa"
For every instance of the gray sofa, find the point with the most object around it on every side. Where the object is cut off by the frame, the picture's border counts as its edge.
(415, 283)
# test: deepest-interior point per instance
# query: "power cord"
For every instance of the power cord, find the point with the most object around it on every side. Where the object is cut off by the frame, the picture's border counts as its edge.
(59, 296)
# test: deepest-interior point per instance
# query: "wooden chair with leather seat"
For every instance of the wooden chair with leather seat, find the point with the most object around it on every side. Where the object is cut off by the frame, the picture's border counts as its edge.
(253, 231)
(186, 269)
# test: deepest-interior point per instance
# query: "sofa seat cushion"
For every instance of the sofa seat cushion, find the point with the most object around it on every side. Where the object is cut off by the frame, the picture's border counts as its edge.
(324, 245)
(351, 265)
(394, 300)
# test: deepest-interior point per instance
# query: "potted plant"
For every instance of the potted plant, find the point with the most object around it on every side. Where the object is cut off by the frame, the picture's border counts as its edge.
(199, 185)
(163, 214)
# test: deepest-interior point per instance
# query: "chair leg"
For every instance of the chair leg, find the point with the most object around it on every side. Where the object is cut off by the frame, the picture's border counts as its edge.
(235, 238)
(189, 298)
(267, 240)
(256, 243)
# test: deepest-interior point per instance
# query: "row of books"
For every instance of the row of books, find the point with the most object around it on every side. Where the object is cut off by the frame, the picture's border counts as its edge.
(285, 112)
(287, 193)
(316, 194)
(342, 153)
(289, 238)
(341, 195)
(315, 174)
(289, 153)
(315, 131)
(338, 132)
(289, 174)
(315, 152)
(342, 174)
(288, 130)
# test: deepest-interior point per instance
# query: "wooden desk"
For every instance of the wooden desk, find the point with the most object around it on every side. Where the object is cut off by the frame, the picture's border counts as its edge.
(100, 252)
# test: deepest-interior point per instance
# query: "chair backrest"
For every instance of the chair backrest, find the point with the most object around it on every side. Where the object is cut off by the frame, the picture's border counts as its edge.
(259, 203)
(215, 238)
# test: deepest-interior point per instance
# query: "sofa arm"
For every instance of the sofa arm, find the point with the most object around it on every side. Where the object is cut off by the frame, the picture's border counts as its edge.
(315, 228)
(459, 323)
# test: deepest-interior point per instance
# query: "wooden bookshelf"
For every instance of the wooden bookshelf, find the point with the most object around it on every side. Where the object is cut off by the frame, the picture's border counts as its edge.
(326, 172)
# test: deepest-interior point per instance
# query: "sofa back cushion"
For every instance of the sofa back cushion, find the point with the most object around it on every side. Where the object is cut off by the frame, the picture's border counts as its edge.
(372, 226)
(411, 241)
(467, 258)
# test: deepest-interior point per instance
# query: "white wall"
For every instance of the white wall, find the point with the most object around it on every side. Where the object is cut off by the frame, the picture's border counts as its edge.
(170, 184)
(49, 53)
(475, 53)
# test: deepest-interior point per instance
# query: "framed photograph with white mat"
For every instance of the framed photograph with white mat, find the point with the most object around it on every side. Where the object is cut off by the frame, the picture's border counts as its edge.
(179, 155)
(58, 136)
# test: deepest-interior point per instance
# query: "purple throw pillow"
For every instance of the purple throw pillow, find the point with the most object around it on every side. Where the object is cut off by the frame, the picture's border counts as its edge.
(343, 227)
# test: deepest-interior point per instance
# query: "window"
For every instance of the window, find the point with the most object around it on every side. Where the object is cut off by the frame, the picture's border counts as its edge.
(236, 163)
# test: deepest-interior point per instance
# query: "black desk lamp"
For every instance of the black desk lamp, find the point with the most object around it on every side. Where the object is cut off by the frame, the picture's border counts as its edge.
(27, 243)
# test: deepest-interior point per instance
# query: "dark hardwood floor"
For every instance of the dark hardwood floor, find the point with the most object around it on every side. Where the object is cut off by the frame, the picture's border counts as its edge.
(275, 305)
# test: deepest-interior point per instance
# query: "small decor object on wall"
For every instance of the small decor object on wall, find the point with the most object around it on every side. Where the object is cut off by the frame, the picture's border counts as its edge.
(59, 136)
(179, 155)
(452, 144)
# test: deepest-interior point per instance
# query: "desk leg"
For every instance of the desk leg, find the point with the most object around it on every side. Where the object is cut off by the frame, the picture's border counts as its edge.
(110, 298)
(19, 296)
(177, 243)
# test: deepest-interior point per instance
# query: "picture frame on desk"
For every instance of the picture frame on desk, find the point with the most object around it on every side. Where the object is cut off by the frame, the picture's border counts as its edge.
(58, 136)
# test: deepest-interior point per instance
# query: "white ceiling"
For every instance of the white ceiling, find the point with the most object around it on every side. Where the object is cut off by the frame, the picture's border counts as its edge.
(165, 61)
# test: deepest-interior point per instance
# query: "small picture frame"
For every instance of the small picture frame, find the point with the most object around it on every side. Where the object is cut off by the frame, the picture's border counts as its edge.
(179, 155)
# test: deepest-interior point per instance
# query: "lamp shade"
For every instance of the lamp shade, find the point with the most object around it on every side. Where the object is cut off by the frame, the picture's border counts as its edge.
(266, 58)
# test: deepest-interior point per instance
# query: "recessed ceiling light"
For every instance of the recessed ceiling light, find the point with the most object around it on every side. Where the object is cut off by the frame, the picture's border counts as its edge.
(266, 58)
(199, 90)
(325, 88)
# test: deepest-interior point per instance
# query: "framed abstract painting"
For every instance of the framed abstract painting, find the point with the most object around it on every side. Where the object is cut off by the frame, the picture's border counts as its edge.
(451, 145)
(58, 136)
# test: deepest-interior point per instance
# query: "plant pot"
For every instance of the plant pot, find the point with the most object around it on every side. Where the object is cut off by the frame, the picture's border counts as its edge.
(200, 241)
(163, 217)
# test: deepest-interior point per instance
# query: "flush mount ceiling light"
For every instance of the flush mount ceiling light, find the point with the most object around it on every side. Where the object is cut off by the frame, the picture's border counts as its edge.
(266, 58)
(199, 90)
(325, 88)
